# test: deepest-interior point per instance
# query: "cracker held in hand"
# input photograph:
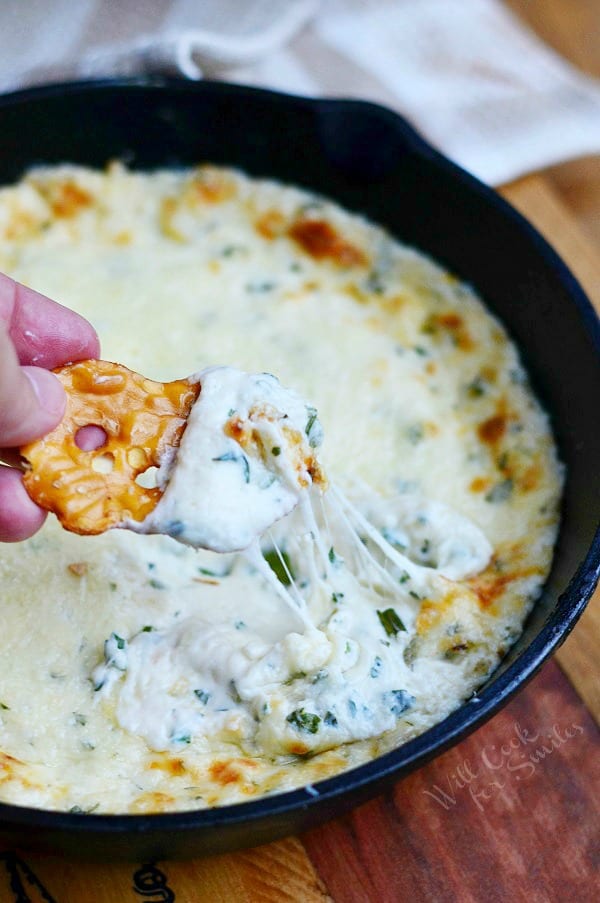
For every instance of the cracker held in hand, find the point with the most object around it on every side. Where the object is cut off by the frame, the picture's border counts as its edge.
(91, 491)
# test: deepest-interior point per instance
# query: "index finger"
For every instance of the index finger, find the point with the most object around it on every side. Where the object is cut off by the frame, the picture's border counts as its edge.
(44, 333)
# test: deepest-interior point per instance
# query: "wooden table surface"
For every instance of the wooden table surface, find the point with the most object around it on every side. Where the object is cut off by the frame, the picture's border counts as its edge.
(483, 822)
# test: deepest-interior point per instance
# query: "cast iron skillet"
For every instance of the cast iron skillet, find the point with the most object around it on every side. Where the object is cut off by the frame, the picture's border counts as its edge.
(368, 159)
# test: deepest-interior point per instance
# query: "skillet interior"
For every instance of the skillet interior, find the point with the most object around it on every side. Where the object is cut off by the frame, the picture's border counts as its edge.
(370, 161)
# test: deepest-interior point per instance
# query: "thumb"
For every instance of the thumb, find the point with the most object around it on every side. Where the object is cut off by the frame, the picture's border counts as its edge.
(32, 401)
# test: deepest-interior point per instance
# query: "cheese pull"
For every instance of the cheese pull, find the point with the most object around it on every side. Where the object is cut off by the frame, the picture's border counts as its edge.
(143, 421)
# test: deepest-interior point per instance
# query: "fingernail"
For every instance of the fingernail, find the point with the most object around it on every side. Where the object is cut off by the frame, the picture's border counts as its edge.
(49, 392)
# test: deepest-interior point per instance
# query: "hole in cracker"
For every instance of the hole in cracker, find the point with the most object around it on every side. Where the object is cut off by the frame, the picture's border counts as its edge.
(147, 479)
(90, 438)
(104, 463)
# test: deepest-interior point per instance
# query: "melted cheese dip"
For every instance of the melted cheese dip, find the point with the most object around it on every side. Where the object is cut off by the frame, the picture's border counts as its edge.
(244, 460)
(140, 675)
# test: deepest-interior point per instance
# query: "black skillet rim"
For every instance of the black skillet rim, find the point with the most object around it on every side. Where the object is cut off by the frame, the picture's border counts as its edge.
(370, 778)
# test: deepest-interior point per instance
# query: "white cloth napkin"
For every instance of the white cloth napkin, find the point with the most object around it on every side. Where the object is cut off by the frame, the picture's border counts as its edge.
(467, 73)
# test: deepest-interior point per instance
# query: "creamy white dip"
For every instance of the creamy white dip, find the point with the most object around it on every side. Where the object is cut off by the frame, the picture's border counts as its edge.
(245, 457)
(239, 675)
(335, 669)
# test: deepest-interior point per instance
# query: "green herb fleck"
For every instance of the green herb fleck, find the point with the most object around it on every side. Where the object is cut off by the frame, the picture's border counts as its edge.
(404, 577)
(260, 287)
(336, 598)
(330, 719)
(80, 719)
(376, 667)
(312, 419)
(207, 573)
(280, 564)
(398, 701)
(415, 433)
(395, 538)
(415, 595)
(391, 621)
(457, 651)
(335, 559)
(276, 451)
(202, 695)
(297, 675)
(502, 462)
(231, 456)
(304, 721)
(374, 283)
(156, 584)
(112, 586)
(233, 691)
(77, 810)
(476, 388)
(4, 707)
(147, 629)
(501, 492)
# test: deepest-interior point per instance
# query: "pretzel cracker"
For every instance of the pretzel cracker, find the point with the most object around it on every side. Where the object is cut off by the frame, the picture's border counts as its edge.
(143, 420)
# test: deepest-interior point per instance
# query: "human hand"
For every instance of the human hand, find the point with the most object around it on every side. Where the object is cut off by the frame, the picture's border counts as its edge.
(36, 334)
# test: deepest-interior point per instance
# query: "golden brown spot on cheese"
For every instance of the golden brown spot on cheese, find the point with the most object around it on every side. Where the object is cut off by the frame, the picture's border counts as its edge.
(430, 367)
(70, 199)
(356, 293)
(492, 429)
(376, 323)
(235, 429)
(319, 239)
(311, 285)
(243, 432)
(224, 773)
(22, 225)
(152, 801)
(479, 484)
(392, 305)
(174, 767)
(489, 374)
(213, 186)
(122, 238)
(168, 209)
(432, 610)
(451, 323)
(531, 478)
(298, 749)
(491, 584)
(431, 429)
(270, 224)
(78, 568)
(9, 767)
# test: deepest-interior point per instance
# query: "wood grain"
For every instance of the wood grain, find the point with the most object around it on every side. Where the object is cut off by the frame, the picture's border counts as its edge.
(571, 27)
(278, 873)
(509, 814)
